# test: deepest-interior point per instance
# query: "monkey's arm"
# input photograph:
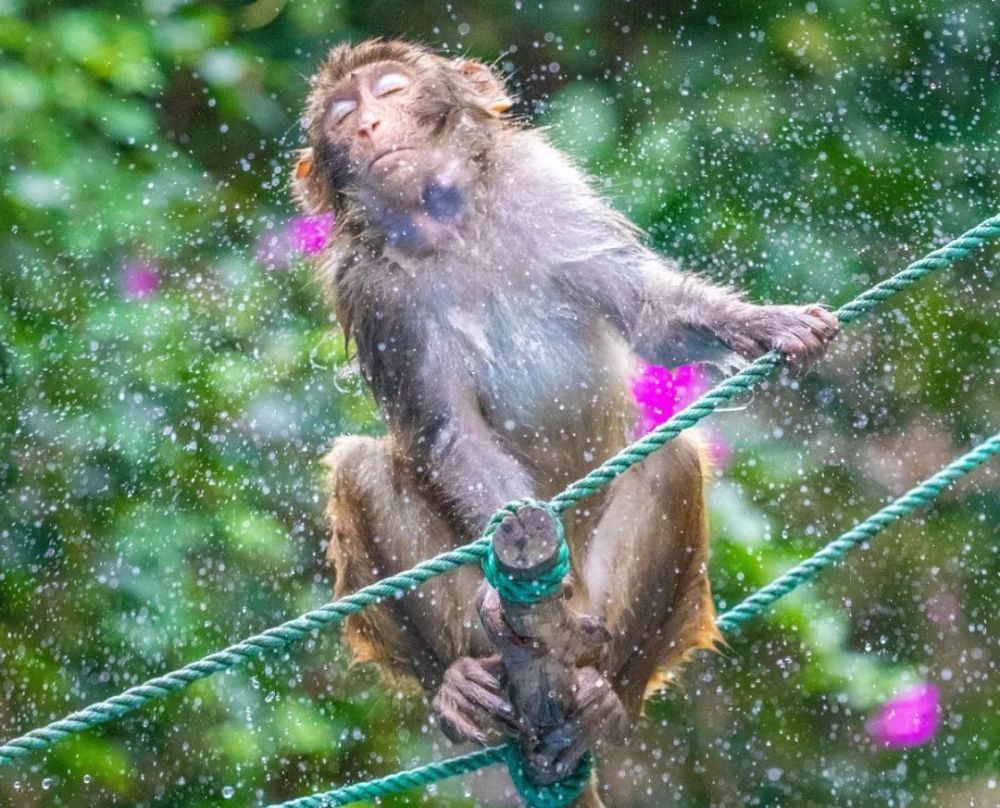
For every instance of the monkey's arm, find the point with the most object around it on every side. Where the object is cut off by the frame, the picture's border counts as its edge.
(671, 318)
(466, 462)
(436, 420)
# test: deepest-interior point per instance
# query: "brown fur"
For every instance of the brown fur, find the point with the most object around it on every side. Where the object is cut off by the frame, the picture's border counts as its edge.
(498, 330)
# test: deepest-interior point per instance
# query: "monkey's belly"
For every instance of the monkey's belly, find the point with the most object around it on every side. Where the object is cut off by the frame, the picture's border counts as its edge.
(563, 414)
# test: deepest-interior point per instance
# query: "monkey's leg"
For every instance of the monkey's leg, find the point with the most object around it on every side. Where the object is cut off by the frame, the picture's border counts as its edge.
(645, 570)
(644, 573)
(383, 522)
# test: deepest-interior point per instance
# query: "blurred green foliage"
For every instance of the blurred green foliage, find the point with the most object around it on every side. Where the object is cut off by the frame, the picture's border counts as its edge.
(159, 446)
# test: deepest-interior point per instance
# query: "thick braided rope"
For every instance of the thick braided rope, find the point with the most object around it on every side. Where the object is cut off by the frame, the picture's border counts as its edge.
(545, 585)
(918, 497)
(337, 611)
(557, 796)
(245, 651)
(759, 368)
(402, 781)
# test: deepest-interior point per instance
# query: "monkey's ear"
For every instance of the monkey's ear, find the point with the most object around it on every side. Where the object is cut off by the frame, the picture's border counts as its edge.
(307, 185)
(488, 88)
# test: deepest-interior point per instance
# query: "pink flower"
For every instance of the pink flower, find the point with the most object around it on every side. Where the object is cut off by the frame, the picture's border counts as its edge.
(909, 719)
(308, 234)
(661, 393)
(139, 280)
(302, 235)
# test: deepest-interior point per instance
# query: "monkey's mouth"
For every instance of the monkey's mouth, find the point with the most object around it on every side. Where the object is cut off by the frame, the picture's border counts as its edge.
(388, 153)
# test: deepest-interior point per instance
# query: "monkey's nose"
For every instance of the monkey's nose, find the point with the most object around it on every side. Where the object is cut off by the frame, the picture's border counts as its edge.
(367, 126)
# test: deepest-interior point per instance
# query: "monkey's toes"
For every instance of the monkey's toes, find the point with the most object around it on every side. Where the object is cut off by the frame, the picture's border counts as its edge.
(825, 323)
(597, 715)
(800, 332)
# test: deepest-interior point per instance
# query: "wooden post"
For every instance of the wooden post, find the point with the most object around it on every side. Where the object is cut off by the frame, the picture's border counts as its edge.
(540, 668)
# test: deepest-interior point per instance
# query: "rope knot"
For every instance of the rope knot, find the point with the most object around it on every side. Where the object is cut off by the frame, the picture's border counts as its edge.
(545, 585)
(554, 795)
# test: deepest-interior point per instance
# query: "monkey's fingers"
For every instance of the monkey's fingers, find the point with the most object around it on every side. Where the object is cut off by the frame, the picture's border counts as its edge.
(469, 703)
(564, 746)
(462, 719)
(827, 325)
(474, 670)
(795, 349)
(454, 723)
(605, 719)
(564, 750)
(491, 708)
(803, 332)
(589, 635)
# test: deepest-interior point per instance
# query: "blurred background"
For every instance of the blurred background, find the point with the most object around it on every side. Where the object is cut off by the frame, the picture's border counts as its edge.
(170, 376)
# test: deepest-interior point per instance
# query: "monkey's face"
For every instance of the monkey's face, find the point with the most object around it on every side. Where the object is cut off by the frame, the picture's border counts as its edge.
(371, 116)
(398, 139)
(390, 126)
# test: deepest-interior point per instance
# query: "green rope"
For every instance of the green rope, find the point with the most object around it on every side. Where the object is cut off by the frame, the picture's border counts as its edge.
(558, 795)
(545, 585)
(278, 637)
(918, 497)
(759, 368)
(402, 781)
(335, 612)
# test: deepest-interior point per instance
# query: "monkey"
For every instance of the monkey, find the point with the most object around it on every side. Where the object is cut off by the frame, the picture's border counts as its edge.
(498, 306)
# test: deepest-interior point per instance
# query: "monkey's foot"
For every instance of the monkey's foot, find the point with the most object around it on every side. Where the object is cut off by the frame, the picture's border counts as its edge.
(597, 715)
(469, 705)
(799, 332)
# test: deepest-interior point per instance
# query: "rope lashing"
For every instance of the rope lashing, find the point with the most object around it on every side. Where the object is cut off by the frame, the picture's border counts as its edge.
(556, 795)
(335, 612)
(919, 496)
(545, 585)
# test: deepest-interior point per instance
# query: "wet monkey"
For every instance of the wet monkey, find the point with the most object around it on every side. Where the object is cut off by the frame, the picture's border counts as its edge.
(498, 305)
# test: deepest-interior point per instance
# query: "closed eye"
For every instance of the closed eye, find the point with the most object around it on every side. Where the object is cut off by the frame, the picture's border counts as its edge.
(389, 83)
(341, 109)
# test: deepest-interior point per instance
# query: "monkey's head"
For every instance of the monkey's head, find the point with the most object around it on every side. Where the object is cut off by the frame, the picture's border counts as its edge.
(396, 138)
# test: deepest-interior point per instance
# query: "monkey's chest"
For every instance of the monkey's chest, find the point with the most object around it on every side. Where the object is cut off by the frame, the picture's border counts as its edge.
(546, 380)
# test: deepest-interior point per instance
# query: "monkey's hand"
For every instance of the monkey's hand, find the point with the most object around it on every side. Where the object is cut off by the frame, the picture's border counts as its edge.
(799, 332)
(469, 705)
(597, 714)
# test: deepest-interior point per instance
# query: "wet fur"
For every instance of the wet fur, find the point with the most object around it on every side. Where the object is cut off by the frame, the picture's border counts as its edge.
(502, 358)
